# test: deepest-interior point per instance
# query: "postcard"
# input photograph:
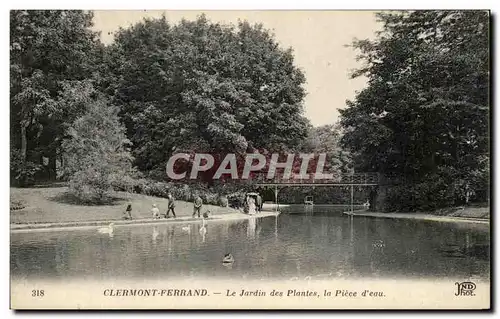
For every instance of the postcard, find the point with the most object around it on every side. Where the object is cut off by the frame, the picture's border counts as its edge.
(250, 159)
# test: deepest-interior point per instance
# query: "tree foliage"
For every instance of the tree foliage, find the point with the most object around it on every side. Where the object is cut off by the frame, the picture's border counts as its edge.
(424, 114)
(327, 139)
(96, 155)
(206, 87)
(47, 48)
(200, 86)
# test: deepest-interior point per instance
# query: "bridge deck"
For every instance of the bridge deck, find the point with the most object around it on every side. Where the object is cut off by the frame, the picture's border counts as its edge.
(357, 179)
(315, 184)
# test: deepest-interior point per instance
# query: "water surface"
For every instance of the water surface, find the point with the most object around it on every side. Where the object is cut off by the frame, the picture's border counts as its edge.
(290, 246)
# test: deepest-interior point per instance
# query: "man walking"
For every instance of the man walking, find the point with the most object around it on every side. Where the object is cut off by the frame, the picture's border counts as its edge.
(171, 205)
(198, 203)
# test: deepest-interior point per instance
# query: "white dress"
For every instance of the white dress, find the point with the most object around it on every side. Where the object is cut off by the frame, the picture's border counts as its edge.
(251, 206)
(156, 212)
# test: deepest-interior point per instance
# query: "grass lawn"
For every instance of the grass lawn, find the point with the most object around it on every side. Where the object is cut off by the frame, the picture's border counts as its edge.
(50, 205)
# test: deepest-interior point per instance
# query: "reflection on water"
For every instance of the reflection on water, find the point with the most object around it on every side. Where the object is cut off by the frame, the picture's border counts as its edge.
(292, 246)
(252, 224)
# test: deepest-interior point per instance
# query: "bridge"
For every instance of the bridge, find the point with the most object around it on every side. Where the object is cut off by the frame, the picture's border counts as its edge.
(344, 179)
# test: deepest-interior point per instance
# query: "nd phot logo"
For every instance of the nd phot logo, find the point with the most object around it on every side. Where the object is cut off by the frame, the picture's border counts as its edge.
(465, 288)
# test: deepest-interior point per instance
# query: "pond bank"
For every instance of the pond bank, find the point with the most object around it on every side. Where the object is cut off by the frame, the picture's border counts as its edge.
(421, 216)
(47, 208)
(143, 221)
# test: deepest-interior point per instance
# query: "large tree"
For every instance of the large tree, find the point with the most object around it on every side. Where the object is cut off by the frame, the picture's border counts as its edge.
(424, 113)
(96, 154)
(47, 48)
(203, 86)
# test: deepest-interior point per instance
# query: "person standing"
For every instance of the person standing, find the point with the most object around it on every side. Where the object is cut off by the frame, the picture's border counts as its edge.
(258, 203)
(128, 211)
(367, 205)
(171, 205)
(246, 204)
(198, 203)
(251, 205)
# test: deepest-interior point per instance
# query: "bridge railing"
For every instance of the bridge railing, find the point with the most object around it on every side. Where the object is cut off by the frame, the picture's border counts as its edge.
(344, 178)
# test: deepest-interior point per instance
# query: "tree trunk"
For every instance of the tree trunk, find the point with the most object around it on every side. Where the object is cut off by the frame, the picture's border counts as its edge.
(24, 142)
(52, 167)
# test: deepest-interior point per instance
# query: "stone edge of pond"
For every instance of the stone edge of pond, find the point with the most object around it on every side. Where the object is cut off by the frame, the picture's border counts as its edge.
(142, 221)
(421, 217)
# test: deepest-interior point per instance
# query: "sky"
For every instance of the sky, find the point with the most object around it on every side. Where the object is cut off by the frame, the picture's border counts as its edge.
(318, 39)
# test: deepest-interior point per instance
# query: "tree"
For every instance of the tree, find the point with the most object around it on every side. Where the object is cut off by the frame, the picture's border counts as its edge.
(326, 139)
(47, 48)
(206, 87)
(96, 155)
(424, 113)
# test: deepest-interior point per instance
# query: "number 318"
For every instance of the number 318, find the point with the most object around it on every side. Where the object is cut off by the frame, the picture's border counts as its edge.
(37, 293)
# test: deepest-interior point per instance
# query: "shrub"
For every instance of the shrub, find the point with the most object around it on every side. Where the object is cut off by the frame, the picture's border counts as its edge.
(17, 204)
(96, 155)
(430, 193)
(210, 198)
(90, 186)
(184, 192)
(223, 201)
(236, 199)
(22, 172)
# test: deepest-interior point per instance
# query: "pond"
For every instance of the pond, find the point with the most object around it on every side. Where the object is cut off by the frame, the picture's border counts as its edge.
(290, 246)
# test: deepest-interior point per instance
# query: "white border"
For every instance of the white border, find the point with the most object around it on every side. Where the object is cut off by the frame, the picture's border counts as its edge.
(253, 5)
(199, 5)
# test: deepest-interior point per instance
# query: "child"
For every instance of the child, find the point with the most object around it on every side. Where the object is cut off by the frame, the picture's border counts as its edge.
(155, 211)
(205, 214)
(128, 211)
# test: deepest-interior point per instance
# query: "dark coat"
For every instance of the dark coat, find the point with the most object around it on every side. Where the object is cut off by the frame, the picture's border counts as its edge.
(258, 202)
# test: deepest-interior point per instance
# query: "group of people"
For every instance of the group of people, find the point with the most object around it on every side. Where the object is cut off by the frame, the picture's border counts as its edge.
(170, 208)
(155, 211)
(253, 204)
